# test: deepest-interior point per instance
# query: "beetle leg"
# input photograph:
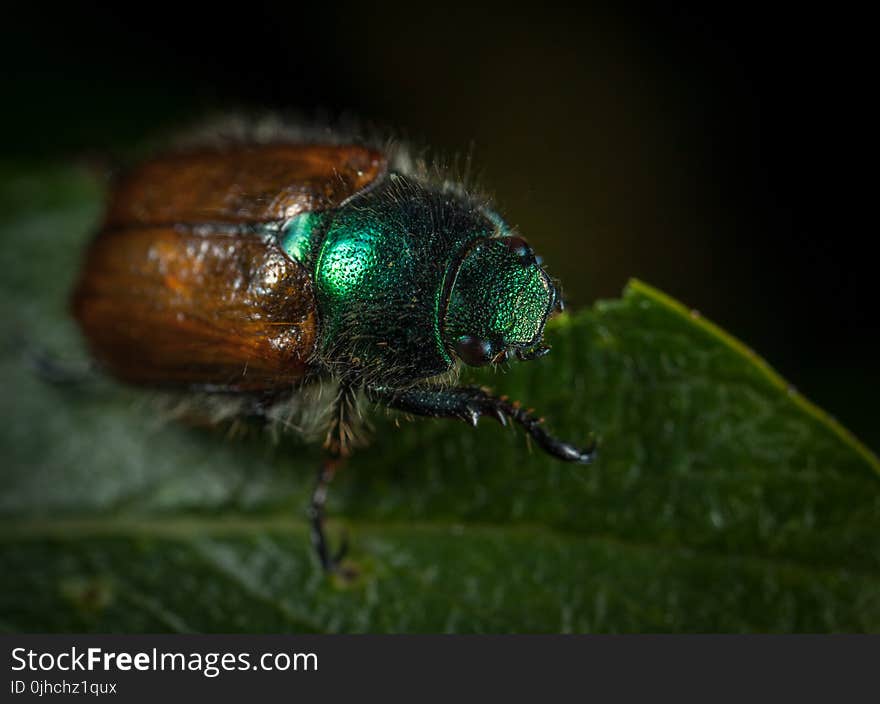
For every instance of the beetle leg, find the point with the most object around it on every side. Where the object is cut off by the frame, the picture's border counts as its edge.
(330, 562)
(469, 403)
(316, 510)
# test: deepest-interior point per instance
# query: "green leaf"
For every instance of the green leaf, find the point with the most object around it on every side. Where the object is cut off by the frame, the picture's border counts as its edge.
(721, 500)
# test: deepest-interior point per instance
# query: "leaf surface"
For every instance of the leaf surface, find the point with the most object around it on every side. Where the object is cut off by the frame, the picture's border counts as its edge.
(721, 499)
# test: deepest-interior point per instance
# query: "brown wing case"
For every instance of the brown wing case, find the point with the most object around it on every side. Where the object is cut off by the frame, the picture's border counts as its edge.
(166, 307)
(165, 299)
(242, 184)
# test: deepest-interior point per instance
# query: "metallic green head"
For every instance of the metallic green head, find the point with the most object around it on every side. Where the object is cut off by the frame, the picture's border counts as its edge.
(498, 302)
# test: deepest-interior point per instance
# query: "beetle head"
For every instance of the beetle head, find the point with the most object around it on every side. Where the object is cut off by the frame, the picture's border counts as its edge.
(498, 302)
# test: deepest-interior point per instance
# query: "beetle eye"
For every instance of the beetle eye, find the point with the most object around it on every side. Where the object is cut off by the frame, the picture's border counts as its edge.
(473, 351)
(521, 249)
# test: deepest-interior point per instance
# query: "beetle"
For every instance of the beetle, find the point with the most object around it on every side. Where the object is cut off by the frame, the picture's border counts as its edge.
(257, 271)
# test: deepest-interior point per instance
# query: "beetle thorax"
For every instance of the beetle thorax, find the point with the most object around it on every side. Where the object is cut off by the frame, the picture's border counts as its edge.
(380, 275)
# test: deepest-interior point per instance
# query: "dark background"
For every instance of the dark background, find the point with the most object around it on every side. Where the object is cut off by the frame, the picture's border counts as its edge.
(718, 154)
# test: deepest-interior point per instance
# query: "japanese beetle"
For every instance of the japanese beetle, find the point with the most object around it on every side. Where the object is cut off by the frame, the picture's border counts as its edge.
(257, 270)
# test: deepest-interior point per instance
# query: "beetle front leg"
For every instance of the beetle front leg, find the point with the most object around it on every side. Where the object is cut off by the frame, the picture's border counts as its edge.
(469, 403)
